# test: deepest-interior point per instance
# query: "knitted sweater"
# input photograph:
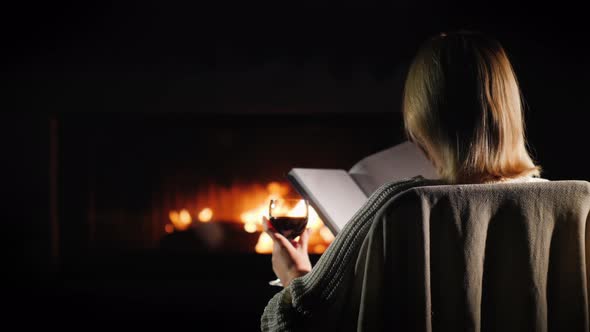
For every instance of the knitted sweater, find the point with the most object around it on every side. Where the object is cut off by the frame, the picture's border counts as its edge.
(306, 298)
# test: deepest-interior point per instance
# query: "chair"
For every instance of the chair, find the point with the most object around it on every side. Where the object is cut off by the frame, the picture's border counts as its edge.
(487, 257)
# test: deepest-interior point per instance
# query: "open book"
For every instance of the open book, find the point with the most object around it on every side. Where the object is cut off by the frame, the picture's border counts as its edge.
(337, 195)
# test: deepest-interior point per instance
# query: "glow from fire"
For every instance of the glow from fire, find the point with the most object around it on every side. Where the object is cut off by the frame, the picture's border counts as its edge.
(326, 234)
(205, 215)
(319, 248)
(298, 210)
(253, 217)
(250, 227)
(169, 228)
(181, 221)
(264, 244)
(185, 217)
(277, 190)
(247, 204)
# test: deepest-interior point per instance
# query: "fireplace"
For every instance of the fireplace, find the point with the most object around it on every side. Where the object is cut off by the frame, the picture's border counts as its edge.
(119, 182)
(196, 183)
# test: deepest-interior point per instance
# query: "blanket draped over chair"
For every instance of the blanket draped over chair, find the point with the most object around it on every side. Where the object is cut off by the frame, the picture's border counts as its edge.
(421, 256)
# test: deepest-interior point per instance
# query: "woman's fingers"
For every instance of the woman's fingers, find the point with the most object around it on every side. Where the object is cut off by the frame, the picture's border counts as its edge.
(284, 243)
(279, 241)
(304, 239)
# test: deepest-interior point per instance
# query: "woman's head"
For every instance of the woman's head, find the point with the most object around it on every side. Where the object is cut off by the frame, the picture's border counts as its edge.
(462, 106)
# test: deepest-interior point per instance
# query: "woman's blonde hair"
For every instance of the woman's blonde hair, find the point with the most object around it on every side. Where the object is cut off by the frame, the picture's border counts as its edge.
(462, 106)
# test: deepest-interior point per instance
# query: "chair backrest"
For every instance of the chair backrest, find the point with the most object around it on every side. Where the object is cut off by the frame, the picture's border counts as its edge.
(498, 257)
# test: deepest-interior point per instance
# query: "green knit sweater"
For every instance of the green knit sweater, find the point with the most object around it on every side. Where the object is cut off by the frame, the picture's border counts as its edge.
(309, 301)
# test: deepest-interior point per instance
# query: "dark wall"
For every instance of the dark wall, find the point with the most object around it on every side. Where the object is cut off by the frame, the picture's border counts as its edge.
(29, 220)
(68, 58)
(165, 56)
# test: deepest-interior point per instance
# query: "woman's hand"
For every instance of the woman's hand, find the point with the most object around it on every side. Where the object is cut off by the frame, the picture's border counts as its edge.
(289, 258)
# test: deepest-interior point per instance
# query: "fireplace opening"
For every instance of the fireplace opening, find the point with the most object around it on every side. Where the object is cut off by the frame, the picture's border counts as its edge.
(197, 183)
(214, 213)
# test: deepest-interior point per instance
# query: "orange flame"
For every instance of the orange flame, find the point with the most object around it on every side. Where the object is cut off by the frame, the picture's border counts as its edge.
(248, 204)
(182, 220)
(205, 215)
(169, 228)
(326, 234)
(264, 244)
(250, 227)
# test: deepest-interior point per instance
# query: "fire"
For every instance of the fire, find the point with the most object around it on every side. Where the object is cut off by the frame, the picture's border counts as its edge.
(185, 218)
(169, 228)
(319, 248)
(326, 234)
(205, 215)
(182, 220)
(250, 227)
(264, 244)
(248, 204)
(298, 210)
(253, 217)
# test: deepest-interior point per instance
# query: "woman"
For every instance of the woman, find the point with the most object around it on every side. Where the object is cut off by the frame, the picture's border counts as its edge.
(462, 107)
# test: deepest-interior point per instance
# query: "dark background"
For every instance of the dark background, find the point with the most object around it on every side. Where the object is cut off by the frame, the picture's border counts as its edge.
(95, 93)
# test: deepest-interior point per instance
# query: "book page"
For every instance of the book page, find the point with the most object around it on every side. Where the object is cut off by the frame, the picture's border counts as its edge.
(332, 192)
(399, 162)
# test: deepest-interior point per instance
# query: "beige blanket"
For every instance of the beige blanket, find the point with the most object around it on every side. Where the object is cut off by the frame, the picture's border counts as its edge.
(427, 257)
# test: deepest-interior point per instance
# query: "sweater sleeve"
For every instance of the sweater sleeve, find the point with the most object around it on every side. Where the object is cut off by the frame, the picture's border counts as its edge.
(294, 308)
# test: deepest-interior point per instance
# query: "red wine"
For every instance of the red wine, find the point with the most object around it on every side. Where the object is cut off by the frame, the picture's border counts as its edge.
(290, 227)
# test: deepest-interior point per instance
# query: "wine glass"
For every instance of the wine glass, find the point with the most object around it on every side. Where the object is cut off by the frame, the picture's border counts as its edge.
(289, 218)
